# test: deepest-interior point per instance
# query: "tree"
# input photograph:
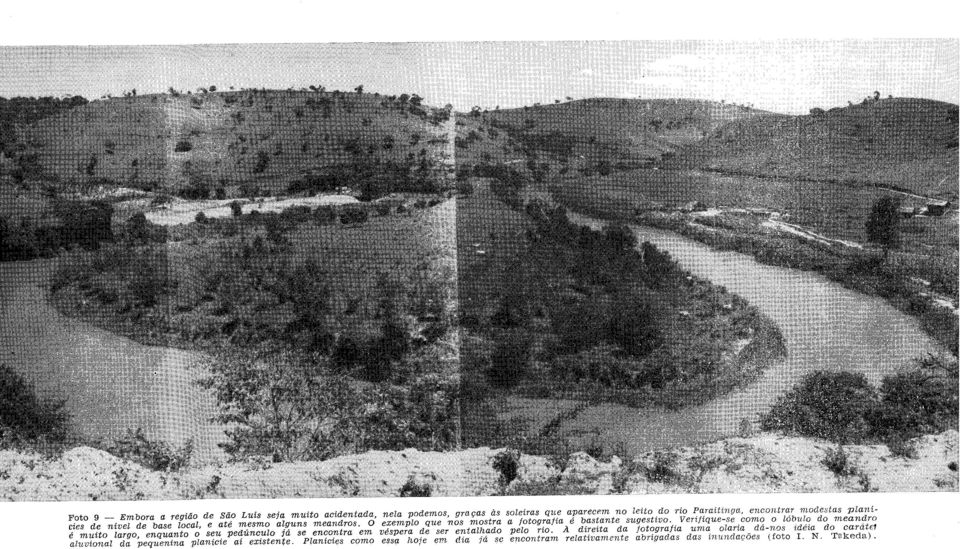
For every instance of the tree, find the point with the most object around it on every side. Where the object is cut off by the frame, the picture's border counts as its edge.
(883, 226)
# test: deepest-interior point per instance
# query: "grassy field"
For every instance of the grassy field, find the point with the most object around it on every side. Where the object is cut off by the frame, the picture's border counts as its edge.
(616, 130)
(908, 143)
(834, 210)
(234, 142)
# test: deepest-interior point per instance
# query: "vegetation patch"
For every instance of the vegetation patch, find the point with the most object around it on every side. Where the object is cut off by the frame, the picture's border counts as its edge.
(25, 418)
(843, 407)
(583, 314)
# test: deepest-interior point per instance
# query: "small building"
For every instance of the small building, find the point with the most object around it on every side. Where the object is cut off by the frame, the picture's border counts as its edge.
(693, 206)
(936, 207)
(907, 211)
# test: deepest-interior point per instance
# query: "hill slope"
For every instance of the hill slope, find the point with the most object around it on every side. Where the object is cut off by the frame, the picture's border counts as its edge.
(249, 139)
(617, 131)
(909, 143)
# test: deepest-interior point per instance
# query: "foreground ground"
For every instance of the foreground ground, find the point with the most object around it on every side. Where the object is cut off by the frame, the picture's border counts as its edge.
(765, 463)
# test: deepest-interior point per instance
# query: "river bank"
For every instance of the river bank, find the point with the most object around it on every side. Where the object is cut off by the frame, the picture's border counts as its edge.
(111, 384)
(825, 326)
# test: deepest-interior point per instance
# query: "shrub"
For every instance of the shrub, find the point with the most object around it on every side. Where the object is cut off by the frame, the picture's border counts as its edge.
(918, 402)
(600, 364)
(416, 487)
(511, 358)
(263, 161)
(383, 208)
(138, 230)
(838, 462)
(354, 215)
(277, 407)
(663, 468)
(829, 405)
(200, 217)
(633, 326)
(464, 188)
(23, 416)
(325, 215)
(899, 447)
(183, 145)
(236, 208)
(507, 463)
(843, 407)
(158, 456)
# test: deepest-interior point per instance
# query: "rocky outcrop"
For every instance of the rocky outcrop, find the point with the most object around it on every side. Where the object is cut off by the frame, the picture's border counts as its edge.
(764, 463)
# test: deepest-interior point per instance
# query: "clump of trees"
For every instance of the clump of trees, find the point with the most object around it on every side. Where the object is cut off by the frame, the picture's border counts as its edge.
(844, 407)
(581, 311)
(73, 224)
(883, 225)
(288, 409)
(25, 418)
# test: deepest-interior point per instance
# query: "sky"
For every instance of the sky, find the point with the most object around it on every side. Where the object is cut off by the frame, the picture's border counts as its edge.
(789, 76)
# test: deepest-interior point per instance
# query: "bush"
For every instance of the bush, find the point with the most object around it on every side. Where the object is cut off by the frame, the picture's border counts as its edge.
(829, 405)
(200, 217)
(263, 161)
(236, 208)
(900, 447)
(325, 215)
(23, 416)
(918, 402)
(383, 208)
(158, 456)
(416, 487)
(354, 215)
(838, 462)
(844, 408)
(507, 463)
(464, 188)
(511, 358)
(276, 407)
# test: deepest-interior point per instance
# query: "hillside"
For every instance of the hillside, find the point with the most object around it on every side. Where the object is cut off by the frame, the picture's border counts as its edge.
(625, 132)
(21, 111)
(908, 143)
(245, 142)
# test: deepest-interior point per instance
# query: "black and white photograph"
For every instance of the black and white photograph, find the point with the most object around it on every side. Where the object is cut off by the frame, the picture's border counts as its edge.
(458, 268)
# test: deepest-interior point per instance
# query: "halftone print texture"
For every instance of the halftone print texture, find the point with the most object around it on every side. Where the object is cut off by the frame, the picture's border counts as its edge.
(259, 263)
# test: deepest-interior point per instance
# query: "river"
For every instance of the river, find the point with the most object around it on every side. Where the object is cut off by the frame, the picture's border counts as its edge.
(825, 327)
(110, 383)
(113, 384)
